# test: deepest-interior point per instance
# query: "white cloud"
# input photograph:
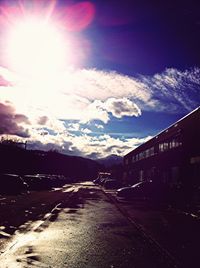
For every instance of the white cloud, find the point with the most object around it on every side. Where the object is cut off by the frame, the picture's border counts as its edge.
(95, 111)
(122, 107)
(81, 94)
(84, 145)
(86, 130)
(85, 95)
(99, 126)
(73, 127)
(78, 95)
(173, 90)
(101, 85)
(10, 77)
(103, 145)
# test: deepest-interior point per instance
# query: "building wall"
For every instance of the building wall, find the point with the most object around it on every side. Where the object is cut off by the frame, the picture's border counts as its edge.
(173, 156)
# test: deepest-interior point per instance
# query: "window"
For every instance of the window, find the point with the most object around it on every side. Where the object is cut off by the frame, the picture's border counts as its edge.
(126, 161)
(147, 153)
(172, 144)
(141, 155)
(163, 146)
(151, 151)
(167, 145)
(175, 142)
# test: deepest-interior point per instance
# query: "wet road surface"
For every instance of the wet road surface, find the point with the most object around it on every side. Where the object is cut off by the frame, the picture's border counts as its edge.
(85, 229)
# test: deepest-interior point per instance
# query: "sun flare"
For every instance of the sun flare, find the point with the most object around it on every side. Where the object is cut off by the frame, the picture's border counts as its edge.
(37, 48)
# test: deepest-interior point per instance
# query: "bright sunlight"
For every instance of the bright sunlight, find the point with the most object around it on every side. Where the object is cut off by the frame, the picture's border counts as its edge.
(37, 48)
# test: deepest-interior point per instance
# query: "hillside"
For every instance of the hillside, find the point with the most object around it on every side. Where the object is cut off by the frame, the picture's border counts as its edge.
(20, 161)
(110, 160)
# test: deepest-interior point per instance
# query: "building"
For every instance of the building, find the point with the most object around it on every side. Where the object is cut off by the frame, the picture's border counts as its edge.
(172, 156)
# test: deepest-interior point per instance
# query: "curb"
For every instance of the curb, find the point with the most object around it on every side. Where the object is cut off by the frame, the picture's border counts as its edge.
(188, 214)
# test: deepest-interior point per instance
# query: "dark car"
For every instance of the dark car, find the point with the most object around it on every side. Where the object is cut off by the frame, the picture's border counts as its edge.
(103, 180)
(58, 180)
(112, 184)
(38, 182)
(102, 177)
(12, 184)
(143, 190)
(55, 180)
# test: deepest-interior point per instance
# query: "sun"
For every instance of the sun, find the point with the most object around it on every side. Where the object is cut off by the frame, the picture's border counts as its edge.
(37, 48)
(40, 39)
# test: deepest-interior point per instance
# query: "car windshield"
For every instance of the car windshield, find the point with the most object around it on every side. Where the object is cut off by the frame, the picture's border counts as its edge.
(137, 184)
(104, 175)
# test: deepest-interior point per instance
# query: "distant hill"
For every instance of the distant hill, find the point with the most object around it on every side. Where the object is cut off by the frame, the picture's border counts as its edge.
(110, 160)
(20, 161)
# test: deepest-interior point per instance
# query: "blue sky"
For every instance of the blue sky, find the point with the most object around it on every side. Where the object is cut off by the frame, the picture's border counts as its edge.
(107, 77)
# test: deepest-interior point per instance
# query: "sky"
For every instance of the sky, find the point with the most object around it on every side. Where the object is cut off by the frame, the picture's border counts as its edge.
(95, 78)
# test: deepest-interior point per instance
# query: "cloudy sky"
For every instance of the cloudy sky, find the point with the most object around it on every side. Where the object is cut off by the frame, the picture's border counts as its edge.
(94, 78)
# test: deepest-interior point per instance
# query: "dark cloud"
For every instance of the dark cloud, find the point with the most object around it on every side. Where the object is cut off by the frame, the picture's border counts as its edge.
(44, 133)
(66, 147)
(94, 155)
(73, 150)
(10, 121)
(121, 148)
(43, 120)
(122, 107)
(37, 145)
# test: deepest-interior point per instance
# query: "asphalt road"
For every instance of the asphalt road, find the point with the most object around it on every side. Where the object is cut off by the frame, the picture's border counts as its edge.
(85, 229)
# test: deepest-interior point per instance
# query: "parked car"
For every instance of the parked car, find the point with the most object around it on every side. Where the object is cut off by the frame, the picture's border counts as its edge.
(59, 180)
(12, 184)
(103, 180)
(38, 182)
(143, 190)
(112, 184)
(102, 177)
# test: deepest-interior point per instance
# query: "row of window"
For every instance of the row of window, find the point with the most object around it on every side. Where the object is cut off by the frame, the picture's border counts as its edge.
(165, 146)
(162, 147)
(142, 155)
